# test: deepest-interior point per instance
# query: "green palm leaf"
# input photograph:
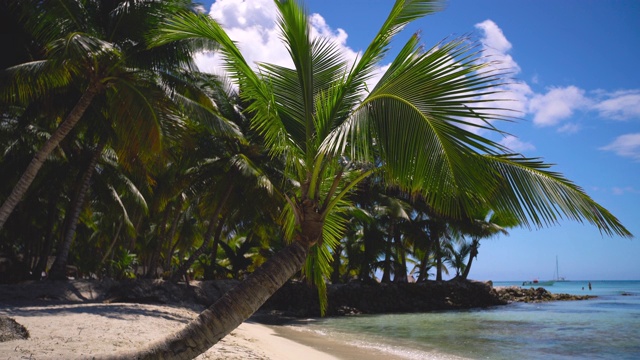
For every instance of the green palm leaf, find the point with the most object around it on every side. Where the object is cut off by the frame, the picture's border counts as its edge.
(541, 197)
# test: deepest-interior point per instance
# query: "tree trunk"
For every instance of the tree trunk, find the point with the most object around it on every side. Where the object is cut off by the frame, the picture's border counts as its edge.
(234, 307)
(172, 234)
(61, 132)
(386, 272)
(113, 243)
(472, 254)
(424, 268)
(216, 244)
(386, 266)
(365, 266)
(45, 252)
(227, 312)
(335, 274)
(400, 266)
(438, 253)
(154, 261)
(58, 269)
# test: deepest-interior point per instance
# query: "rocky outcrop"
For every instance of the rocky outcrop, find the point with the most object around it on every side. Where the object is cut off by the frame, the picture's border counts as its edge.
(534, 295)
(299, 300)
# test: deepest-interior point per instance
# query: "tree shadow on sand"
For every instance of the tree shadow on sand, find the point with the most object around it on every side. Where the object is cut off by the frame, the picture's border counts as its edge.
(113, 311)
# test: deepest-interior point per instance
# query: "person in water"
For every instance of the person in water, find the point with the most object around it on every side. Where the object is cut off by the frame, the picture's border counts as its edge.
(589, 285)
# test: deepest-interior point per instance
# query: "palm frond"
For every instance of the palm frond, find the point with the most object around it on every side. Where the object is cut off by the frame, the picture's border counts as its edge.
(28, 81)
(541, 197)
(402, 13)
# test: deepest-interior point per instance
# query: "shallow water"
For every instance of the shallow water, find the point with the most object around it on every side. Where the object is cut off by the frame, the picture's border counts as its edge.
(607, 327)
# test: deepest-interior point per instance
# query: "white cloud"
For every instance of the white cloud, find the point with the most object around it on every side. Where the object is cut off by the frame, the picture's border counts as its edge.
(621, 105)
(625, 190)
(252, 25)
(516, 145)
(557, 105)
(627, 145)
(569, 128)
(495, 48)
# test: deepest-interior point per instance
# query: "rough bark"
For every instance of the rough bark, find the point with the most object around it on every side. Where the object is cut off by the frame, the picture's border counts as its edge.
(41, 156)
(228, 312)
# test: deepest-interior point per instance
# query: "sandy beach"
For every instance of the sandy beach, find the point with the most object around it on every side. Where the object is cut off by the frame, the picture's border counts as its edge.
(74, 331)
(84, 330)
(78, 320)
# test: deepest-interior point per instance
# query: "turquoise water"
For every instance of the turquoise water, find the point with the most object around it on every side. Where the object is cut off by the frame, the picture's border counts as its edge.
(607, 327)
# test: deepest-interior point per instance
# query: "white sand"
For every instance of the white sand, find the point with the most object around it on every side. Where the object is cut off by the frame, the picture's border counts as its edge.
(84, 330)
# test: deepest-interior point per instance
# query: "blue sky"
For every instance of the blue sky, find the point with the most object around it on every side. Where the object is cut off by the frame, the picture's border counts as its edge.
(578, 90)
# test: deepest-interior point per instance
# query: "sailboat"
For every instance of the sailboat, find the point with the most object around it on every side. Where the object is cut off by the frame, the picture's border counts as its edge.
(556, 278)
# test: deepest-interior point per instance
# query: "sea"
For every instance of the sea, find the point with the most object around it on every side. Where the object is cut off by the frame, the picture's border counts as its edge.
(606, 327)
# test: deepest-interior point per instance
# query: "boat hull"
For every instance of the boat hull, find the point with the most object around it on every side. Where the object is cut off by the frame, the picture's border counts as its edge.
(539, 283)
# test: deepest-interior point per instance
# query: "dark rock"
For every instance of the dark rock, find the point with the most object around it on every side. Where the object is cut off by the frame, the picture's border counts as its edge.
(11, 330)
(535, 295)
(299, 300)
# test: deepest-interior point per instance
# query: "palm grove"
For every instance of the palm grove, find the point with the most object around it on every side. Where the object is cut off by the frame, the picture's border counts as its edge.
(120, 159)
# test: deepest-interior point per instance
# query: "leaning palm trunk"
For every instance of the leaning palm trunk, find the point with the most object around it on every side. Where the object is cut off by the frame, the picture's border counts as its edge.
(58, 269)
(229, 311)
(472, 255)
(38, 160)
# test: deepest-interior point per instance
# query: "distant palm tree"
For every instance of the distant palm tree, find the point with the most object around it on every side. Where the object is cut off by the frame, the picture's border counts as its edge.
(334, 134)
(483, 225)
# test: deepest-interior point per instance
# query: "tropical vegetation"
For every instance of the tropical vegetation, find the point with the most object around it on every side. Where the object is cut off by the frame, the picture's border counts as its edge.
(120, 159)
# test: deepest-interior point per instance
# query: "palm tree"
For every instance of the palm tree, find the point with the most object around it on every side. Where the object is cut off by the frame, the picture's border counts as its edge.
(456, 256)
(334, 134)
(94, 50)
(484, 225)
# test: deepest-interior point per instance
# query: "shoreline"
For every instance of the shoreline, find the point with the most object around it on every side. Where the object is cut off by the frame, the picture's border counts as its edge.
(330, 347)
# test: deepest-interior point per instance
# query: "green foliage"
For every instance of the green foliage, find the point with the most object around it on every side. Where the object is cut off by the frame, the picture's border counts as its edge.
(123, 265)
